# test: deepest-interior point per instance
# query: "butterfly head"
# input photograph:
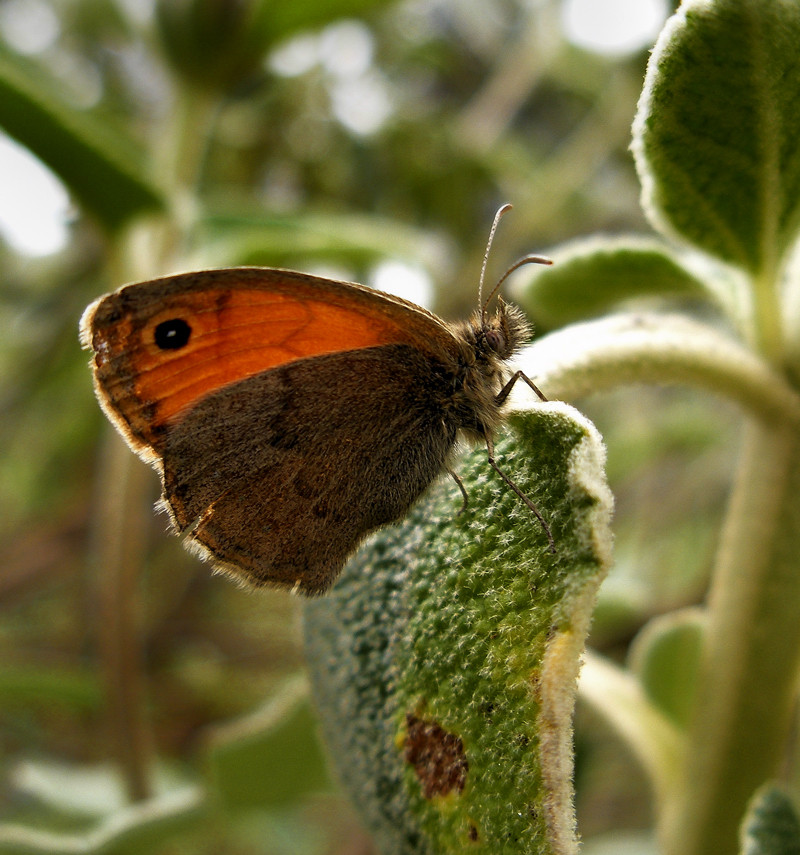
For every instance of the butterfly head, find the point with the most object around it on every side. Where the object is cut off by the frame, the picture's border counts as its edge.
(502, 334)
(487, 342)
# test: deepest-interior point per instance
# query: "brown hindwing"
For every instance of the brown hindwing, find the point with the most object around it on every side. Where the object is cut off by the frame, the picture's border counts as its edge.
(279, 476)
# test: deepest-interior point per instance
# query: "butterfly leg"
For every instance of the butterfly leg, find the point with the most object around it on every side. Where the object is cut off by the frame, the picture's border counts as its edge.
(461, 487)
(516, 489)
(506, 390)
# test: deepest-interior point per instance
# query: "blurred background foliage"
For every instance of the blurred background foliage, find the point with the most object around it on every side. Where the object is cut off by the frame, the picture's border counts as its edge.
(366, 139)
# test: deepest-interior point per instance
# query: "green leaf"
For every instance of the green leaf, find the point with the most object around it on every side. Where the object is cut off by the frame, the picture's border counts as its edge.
(103, 171)
(716, 133)
(772, 825)
(590, 276)
(135, 829)
(290, 18)
(666, 657)
(655, 740)
(444, 661)
(217, 44)
(291, 239)
(271, 757)
(214, 43)
(49, 687)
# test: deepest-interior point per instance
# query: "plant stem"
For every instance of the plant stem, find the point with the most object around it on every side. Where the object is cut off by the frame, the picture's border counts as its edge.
(125, 484)
(120, 535)
(768, 324)
(747, 678)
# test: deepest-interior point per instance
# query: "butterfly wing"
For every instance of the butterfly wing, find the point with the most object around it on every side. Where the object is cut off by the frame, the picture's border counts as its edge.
(289, 415)
(281, 475)
(241, 321)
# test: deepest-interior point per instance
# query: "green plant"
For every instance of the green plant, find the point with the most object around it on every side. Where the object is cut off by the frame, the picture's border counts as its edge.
(456, 637)
(708, 701)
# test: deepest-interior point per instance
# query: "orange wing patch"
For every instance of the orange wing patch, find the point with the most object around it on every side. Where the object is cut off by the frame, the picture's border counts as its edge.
(233, 334)
(255, 331)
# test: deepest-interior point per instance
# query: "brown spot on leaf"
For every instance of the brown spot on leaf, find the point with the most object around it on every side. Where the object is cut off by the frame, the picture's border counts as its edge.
(472, 832)
(437, 756)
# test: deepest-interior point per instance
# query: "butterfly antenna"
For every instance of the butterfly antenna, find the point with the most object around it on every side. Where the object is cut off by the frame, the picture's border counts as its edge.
(527, 259)
(503, 209)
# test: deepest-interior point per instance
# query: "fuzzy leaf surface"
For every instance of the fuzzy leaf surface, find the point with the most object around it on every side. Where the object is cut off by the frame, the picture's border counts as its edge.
(772, 826)
(588, 277)
(444, 661)
(716, 133)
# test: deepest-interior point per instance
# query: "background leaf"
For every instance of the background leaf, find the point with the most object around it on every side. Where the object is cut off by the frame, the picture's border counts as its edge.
(591, 276)
(270, 757)
(716, 133)
(666, 657)
(772, 826)
(133, 829)
(102, 169)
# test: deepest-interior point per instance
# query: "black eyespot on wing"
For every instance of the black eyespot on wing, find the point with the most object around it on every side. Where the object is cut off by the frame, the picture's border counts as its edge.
(172, 334)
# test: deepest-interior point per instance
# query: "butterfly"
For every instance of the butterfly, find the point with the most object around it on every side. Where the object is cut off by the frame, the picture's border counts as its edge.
(291, 415)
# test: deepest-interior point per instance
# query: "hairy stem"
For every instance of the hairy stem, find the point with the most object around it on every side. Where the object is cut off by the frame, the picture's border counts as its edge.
(747, 680)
